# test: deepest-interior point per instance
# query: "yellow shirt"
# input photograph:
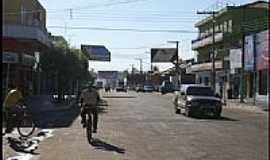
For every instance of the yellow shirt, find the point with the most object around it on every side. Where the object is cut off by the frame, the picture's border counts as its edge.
(12, 98)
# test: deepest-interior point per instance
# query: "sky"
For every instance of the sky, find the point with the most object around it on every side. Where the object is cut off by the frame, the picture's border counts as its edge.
(126, 46)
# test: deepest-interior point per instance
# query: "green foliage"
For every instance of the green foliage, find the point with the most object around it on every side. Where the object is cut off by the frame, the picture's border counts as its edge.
(67, 64)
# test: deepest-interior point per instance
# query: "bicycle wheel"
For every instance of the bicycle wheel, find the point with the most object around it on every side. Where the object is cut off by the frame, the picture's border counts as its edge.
(89, 128)
(25, 125)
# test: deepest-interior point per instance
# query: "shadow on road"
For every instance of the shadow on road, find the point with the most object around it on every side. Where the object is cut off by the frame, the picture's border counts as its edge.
(217, 119)
(57, 118)
(99, 144)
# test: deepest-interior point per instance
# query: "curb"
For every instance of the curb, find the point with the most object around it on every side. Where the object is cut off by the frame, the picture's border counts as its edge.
(60, 107)
(247, 107)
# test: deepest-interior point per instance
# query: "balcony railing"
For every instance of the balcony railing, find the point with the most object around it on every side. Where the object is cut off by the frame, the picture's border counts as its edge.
(202, 42)
(26, 32)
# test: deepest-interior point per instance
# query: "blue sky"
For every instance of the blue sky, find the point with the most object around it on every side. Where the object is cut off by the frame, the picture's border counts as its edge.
(125, 47)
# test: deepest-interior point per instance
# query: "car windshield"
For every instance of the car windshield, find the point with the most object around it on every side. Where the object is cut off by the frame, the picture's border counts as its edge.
(200, 91)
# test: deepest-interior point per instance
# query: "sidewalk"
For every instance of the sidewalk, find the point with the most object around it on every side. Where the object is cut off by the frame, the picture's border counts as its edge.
(247, 105)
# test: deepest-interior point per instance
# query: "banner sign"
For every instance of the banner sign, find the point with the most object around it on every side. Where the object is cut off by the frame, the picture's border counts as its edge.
(96, 52)
(107, 75)
(235, 58)
(262, 50)
(28, 60)
(249, 53)
(163, 55)
(10, 57)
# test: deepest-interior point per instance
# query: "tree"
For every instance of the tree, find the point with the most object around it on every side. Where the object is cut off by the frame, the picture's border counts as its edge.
(68, 65)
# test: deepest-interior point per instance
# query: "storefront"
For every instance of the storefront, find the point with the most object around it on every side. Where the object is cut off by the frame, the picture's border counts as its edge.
(262, 50)
(9, 62)
(235, 58)
(17, 71)
(203, 73)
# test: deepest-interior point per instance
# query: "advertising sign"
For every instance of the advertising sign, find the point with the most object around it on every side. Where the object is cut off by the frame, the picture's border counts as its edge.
(163, 55)
(249, 53)
(107, 75)
(235, 58)
(28, 60)
(10, 57)
(262, 50)
(96, 52)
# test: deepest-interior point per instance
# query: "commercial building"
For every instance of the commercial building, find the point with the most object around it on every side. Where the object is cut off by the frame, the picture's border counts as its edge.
(231, 25)
(25, 37)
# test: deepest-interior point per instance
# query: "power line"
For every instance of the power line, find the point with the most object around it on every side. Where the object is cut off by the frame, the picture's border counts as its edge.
(125, 29)
(108, 4)
(77, 8)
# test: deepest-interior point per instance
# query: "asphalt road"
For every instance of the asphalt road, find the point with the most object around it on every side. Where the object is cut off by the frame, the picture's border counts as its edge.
(143, 126)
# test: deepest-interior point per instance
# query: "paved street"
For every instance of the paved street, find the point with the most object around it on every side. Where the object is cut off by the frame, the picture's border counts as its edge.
(144, 126)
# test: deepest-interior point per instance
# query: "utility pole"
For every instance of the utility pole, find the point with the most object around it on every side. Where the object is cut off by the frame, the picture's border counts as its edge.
(177, 64)
(213, 52)
(141, 67)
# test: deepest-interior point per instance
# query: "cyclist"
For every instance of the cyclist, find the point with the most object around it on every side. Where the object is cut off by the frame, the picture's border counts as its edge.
(89, 99)
(14, 97)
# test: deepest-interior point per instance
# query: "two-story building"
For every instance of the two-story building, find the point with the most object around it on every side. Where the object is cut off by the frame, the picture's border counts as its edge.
(24, 38)
(231, 24)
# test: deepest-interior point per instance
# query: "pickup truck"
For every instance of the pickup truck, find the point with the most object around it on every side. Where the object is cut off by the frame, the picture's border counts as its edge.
(197, 99)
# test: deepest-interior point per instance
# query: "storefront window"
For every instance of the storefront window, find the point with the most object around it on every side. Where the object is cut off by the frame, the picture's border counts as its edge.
(206, 81)
(263, 80)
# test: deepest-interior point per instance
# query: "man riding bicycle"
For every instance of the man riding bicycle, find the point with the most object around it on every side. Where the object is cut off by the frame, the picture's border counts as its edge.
(89, 99)
(14, 97)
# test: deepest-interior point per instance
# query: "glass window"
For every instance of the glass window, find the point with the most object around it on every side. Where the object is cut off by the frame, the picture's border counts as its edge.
(206, 81)
(225, 26)
(230, 26)
(200, 91)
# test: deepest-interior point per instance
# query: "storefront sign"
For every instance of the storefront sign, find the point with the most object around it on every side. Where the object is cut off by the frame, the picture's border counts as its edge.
(262, 50)
(249, 53)
(206, 66)
(28, 60)
(10, 57)
(235, 58)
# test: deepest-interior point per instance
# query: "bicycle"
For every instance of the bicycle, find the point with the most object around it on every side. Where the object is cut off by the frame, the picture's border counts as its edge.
(22, 120)
(89, 126)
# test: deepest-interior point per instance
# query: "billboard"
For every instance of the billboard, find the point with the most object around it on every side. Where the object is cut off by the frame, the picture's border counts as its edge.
(96, 52)
(235, 58)
(249, 52)
(107, 75)
(163, 55)
(262, 50)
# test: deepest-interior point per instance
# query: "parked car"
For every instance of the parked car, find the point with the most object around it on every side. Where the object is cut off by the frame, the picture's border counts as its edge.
(166, 87)
(197, 99)
(139, 88)
(148, 88)
(121, 89)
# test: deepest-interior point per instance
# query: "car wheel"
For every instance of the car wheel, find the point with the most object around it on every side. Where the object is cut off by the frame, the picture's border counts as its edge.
(177, 111)
(188, 112)
(217, 115)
